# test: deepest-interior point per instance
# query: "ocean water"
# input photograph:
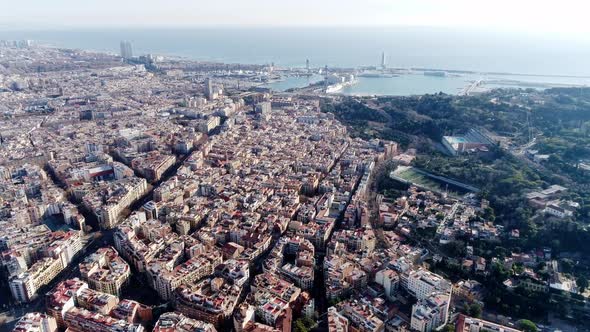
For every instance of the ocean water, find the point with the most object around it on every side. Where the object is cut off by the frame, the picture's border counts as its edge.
(442, 48)
(418, 83)
(404, 85)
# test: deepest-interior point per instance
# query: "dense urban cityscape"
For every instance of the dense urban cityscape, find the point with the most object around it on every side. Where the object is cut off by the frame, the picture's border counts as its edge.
(148, 193)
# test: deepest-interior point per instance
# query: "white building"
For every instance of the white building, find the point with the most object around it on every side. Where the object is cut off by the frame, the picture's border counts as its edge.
(430, 313)
(263, 108)
(389, 279)
(65, 247)
(105, 271)
(559, 210)
(24, 287)
(421, 283)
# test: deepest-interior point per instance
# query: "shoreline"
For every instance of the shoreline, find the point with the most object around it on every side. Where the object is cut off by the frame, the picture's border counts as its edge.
(458, 71)
(177, 57)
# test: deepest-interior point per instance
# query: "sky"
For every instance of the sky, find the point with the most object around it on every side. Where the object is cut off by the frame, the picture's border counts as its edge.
(563, 16)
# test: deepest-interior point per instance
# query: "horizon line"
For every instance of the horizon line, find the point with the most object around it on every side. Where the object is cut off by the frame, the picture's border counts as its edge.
(24, 26)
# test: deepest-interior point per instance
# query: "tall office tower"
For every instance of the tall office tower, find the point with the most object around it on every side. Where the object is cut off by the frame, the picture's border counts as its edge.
(383, 60)
(129, 50)
(307, 64)
(126, 49)
(123, 50)
(209, 89)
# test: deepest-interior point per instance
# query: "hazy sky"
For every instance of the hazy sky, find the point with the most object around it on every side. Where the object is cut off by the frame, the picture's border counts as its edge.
(561, 16)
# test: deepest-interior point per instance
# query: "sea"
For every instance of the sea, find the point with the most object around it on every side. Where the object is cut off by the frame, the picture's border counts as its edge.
(503, 57)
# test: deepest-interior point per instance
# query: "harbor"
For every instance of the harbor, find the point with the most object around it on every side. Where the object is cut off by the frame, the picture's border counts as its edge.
(412, 82)
(384, 80)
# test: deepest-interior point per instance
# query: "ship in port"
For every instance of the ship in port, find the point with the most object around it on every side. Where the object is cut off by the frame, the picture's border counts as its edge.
(334, 83)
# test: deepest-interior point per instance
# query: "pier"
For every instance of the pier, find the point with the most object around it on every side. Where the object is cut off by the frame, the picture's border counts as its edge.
(470, 88)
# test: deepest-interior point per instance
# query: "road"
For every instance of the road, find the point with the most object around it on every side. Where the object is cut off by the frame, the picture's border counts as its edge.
(523, 148)
(519, 152)
(443, 223)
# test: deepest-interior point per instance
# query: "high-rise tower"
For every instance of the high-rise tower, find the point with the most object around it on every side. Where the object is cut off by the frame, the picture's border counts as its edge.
(382, 60)
(126, 49)
(209, 89)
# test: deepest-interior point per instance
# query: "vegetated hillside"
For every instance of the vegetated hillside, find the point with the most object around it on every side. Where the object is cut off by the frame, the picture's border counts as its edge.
(410, 120)
(562, 108)
(565, 123)
(502, 178)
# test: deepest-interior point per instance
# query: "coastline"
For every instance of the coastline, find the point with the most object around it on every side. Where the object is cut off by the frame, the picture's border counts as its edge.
(452, 83)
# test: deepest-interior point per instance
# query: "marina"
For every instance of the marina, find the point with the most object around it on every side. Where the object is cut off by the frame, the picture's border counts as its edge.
(406, 83)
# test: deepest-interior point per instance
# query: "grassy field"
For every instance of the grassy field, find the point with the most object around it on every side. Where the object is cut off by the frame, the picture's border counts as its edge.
(410, 175)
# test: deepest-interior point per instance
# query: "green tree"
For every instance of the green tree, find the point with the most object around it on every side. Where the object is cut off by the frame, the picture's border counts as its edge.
(475, 310)
(567, 265)
(448, 328)
(518, 268)
(488, 214)
(527, 326)
(455, 248)
(300, 326)
(500, 252)
(308, 321)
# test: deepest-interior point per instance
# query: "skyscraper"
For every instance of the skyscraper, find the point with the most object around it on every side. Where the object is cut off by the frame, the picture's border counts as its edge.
(209, 89)
(123, 49)
(126, 49)
(383, 60)
(307, 64)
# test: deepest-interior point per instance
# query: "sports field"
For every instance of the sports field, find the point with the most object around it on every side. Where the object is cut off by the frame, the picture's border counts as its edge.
(409, 174)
